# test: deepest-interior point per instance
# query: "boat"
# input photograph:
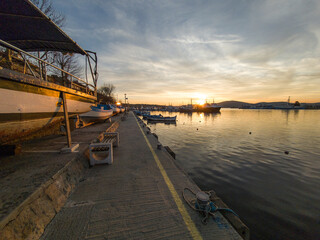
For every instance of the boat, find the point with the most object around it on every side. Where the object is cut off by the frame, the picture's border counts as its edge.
(145, 115)
(186, 109)
(122, 109)
(161, 119)
(208, 108)
(31, 95)
(116, 110)
(101, 112)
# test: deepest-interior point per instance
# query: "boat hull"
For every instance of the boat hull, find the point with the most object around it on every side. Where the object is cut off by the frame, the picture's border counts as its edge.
(29, 106)
(94, 116)
(162, 119)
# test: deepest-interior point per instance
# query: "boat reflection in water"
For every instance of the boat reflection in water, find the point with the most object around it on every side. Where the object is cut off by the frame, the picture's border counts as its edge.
(163, 122)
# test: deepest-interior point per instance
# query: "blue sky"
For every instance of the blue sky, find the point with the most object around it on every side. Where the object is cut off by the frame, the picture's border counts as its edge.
(170, 51)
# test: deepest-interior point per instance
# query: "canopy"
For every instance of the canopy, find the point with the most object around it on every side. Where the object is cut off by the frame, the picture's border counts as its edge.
(26, 27)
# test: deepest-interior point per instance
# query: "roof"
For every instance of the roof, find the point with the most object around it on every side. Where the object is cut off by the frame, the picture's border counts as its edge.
(26, 27)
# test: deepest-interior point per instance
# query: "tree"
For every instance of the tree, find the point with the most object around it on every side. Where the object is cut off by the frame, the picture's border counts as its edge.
(107, 89)
(105, 93)
(296, 104)
(67, 62)
(46, 7)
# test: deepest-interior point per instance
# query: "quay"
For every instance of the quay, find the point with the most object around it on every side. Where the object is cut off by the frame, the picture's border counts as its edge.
(139, 196)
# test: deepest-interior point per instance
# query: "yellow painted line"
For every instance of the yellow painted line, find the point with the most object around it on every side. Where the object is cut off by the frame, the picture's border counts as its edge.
(185, 215)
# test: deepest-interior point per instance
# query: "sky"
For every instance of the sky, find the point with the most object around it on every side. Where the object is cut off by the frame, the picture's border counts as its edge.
(169, 51)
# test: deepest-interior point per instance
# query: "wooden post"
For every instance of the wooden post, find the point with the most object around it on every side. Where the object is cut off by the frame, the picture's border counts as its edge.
(66, 118)
(40, 67)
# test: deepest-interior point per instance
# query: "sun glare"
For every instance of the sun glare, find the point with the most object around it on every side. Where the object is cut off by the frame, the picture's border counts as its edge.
(201, 101)
(199, 98)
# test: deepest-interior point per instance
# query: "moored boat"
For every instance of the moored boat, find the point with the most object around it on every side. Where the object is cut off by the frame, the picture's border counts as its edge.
(161, 119)
(208, 108)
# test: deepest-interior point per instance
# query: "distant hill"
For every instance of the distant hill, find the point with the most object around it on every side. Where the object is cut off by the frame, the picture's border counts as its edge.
(238, 104)
(233, 104)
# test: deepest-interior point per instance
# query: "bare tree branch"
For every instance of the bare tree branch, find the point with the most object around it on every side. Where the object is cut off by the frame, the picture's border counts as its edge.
(107, 89)
(46, 7)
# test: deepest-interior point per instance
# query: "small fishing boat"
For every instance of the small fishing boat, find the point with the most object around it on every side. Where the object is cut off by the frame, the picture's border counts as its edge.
(161, 119)
(100, 112)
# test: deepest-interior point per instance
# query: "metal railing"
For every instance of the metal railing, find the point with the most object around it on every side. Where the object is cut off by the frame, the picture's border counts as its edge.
(43, 69)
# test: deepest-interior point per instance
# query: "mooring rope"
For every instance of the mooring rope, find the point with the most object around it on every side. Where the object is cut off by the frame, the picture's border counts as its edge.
(209, 209)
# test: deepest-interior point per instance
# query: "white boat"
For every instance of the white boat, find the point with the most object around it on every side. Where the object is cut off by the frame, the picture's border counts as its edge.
(101, 112)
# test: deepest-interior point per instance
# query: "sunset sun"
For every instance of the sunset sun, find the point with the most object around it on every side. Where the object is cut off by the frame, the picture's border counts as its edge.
(201, 101)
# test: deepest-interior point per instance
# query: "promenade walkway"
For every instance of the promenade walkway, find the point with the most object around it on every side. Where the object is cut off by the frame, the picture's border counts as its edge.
(138, 197)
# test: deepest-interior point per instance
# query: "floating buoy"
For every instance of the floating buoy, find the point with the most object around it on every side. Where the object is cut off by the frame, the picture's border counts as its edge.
(286, 152)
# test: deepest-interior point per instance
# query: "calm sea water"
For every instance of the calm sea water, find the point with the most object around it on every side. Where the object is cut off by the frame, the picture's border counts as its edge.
(276, 194)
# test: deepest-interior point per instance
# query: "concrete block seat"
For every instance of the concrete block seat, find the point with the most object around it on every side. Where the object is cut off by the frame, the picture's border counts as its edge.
(102, 152)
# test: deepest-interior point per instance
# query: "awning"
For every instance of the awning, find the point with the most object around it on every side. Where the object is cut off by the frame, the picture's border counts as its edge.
(23, 25)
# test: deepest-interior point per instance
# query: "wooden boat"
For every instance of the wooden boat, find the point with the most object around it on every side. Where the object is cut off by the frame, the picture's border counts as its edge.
(31, 99)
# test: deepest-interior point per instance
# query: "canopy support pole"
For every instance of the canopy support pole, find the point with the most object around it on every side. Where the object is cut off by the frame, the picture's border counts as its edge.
(66, 118)
(70, 147)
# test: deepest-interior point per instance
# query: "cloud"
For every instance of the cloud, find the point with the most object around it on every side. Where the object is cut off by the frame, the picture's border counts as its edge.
(234, 49)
